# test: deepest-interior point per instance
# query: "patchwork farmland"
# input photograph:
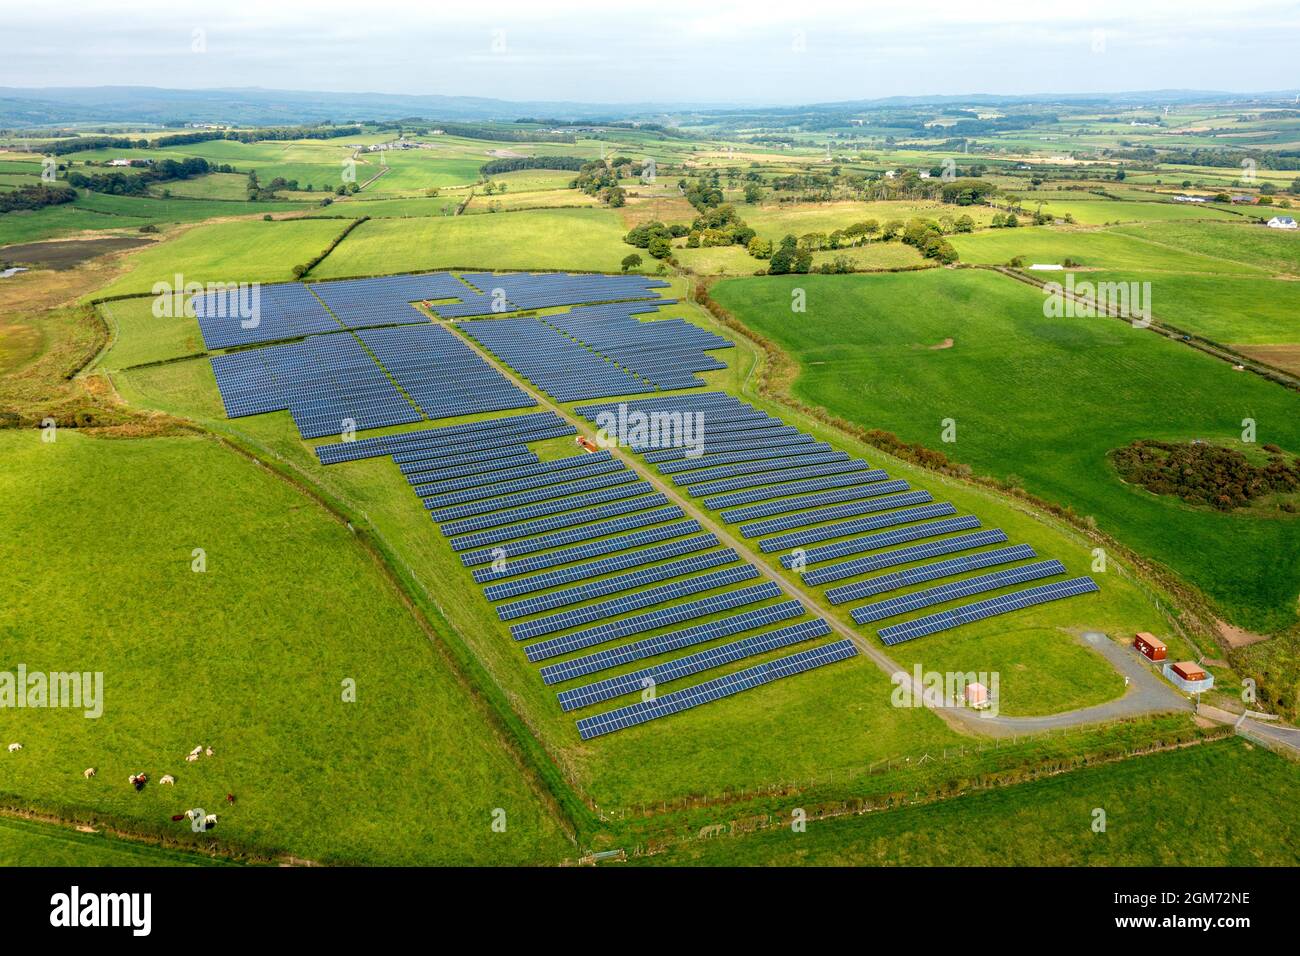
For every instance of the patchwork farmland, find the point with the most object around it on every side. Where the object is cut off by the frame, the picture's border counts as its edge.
(567, 507)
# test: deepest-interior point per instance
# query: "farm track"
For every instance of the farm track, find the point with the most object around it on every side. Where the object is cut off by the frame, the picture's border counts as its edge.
(1218, 350)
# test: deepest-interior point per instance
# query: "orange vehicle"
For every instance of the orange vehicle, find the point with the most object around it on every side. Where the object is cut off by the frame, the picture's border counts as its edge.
(587, 443)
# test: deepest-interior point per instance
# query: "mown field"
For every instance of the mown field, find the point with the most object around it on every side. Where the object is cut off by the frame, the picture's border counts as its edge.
(249, 657)
(1222, 804)
(1011, 378)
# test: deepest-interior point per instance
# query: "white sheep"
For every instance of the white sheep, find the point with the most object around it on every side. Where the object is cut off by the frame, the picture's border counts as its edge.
(196, 751)
(166, 779)
(209, 752)
(88, 772)
(191, 758)
(209, 821)
(13, 748)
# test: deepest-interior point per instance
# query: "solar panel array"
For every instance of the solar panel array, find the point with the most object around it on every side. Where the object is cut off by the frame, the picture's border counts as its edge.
(252, 314)
(594, 570)
(812, 505)
(586, 583)
(328, 383)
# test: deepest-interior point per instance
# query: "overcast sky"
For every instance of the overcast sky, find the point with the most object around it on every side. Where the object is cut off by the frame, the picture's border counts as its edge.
(796, 51)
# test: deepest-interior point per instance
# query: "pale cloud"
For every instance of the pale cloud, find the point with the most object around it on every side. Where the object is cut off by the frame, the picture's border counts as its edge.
(673, 50)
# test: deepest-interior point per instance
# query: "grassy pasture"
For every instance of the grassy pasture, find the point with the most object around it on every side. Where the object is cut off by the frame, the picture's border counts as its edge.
(261, 661)
(29, 843)
(1259, 247)
(1092, 248)
(250, 250)
(772, 221)
(1012, 378)
(1235, 310)
(1238, 799)
(589, 239)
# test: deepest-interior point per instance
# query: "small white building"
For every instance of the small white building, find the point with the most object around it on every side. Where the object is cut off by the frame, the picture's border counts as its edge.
(1281, 222)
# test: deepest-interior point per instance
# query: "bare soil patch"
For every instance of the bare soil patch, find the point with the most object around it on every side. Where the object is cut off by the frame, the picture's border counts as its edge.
(68, 253)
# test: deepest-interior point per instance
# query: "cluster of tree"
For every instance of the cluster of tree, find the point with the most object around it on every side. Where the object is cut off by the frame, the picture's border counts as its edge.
(516, 163)
(967, 193)
(1004, 220)
(137, 184)
(600, 178)
(788, 258)
(719, 226)
(202, 136)
(655, 237)
(35, 197)
(490, 187)
(926, 236)
(1206, 474)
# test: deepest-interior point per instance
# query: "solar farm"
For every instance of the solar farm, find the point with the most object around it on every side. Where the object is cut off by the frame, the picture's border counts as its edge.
(601, 564)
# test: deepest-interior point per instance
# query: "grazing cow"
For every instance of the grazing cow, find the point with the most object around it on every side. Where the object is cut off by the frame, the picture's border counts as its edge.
(88, 772)
(167, 779)
(230, 799)
(15, 747)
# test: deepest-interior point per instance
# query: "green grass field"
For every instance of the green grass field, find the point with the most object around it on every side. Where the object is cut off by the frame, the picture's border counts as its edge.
(1223, 804)
(590, 239)
(1095, 248)
(28, 843)
(1012, 377)
(246, 251)
(1230, 309)
(288, 608)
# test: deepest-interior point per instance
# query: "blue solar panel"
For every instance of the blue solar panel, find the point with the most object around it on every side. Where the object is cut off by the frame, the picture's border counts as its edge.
(871, 542)
(447, 435)
(430, 485)
(469, 501)
(928, 572)
(915, 552)
(572, 617)
(591, 549)
(759, 457)
(774, 484)
(779, 467)
(966, 587)
(798, 538)
(622, 582)
(601, 566)
(569, 521)
(640, 623)
(544, 508)
(816, 500)
(968, 613)
(715, 689)
(787, 522)
(648, 677)
(472, 470)
(672, 641)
